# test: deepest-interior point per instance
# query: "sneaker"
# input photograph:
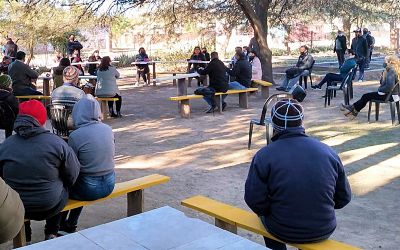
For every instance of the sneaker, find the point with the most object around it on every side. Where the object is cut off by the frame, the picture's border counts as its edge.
(224, 106)
(316, 87)
(66, 228)
(50, 236)
(280, 88)
(359, 80)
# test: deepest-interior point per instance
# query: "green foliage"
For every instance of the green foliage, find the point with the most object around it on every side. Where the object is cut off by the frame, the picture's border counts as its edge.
(125, 60)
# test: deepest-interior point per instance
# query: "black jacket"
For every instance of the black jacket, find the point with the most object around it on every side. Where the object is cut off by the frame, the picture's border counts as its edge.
(360, 46)
(74, 45)
(217, 71)
(10, 109)
(343, 43)
(37, 164)
(242, 72)
(199, 57)
(296, 183)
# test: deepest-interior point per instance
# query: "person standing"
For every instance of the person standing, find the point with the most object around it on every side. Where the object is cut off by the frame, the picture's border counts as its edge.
(340, 47)
(294, 197)
(73, 45)
(10, 49)
(360, 46)
(371, 42)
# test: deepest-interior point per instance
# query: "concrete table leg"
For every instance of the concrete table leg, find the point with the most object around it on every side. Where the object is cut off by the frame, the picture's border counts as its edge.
(264, 92)
(46, 90)
(154, 73)
(174, 81)
(243, 100)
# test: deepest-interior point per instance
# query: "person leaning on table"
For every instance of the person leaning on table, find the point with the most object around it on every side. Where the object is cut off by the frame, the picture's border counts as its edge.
(295, 192)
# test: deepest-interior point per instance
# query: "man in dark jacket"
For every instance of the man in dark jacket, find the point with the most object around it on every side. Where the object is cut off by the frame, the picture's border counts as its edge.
(304, 63)
(73, 45)
(371, 42)
(11, 48)
(8, 105)
(340, 47)
(242, 73)
(360, 46)
(216, 70)
(296, 182)
(40, 166)
(22, 76)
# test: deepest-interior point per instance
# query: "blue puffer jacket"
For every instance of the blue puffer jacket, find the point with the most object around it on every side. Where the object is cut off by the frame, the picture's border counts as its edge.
(296, 183)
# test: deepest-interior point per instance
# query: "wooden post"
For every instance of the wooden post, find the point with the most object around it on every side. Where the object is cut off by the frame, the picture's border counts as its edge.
(154, 70)
(20, 239)
(185, 108)
(226, 226)
(243, 100)
(174, 81)
(135, 202)
(46, 90)
(264, 92)
(218, 101)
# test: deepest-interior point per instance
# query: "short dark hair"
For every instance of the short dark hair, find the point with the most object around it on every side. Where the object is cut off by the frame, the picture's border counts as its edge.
(254, 52)
(65, 62)
(20, 55)
(305, 47)
(214, 54)
(241, 56)
(350, 51)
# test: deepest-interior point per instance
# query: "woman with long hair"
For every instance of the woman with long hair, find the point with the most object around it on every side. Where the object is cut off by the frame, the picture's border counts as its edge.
(57, 72)
(93, 58)
(142, 69)
(193, 67)
(107, 85)
(390, 77)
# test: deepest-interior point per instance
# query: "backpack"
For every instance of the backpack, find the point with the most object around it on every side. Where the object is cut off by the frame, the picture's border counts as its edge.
(7, 116)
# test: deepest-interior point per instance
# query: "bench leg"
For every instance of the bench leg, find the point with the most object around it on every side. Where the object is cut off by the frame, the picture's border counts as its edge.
(226, 226)
(135, 202)
(243, 100)
(264, 92)
(190, 81)
(218, 102)
(185, 108)
(104, 109)
(20, 239)
(174, 81)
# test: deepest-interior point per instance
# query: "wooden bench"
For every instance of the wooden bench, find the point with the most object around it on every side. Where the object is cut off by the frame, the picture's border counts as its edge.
(135, 198)
(33, 97)
(264, 87)
(185, 105)
(103, 104)
(230, 218)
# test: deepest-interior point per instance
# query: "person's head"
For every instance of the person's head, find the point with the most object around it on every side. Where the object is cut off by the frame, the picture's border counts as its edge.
(71, 75)
(142, 50)
(392, 62)
(357, 32)
(86, 111)
(350, 53)
(72, 38)
(75, 53)
(196, 50)
(96, 53)
(34, 109)
(64, 62)
(365, 31)
(253, 54)
(6, 60)
(286, 114)
(241, 56)
(303, 49)
(214, 55)
(246, 49)
(20, 56)
(340, 33)
(5, 82)
(238, 50)
(105, 63)
(204, 50)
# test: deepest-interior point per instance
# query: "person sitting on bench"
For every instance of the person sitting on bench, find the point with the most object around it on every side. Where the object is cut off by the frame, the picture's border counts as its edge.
(344, 70)
(193, 67)
(69, 93)
(294, 196)
(293, 74)
(390, 77)
(40, 166)
(216, 69)
(242, 73)
(8, 106)
(96, 155)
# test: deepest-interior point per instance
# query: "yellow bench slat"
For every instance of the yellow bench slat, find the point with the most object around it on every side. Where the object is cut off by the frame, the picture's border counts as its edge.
(263, 83)
(250, 221)
(107, 99)
(123, 188)
(229, 92)
(33, 97)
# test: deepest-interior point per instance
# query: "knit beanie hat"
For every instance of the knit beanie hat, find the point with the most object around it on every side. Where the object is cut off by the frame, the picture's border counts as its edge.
(34, 109)
(287, 113)
(5, 81)
(71, 74)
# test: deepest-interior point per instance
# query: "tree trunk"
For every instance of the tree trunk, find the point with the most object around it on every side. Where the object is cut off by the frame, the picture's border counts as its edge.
(30, 49)
(257, 17)
(347, 28)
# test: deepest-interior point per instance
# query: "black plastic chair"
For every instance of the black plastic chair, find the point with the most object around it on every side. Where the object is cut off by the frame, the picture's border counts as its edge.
(330, 91)
(304, 77)
(261, 121)
(59, 115)
(393, 106)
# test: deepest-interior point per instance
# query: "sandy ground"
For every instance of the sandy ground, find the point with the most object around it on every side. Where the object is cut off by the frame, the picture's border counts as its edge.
(208, 155)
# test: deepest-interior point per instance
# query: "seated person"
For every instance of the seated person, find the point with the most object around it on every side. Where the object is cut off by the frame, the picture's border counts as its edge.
(242, 72)
(42, 175)
(8, 105)
(11, 212)
(142, 69)
(294, 197)
(193, 67)
(76, 58)
(238, 51)
(389, 78)
(216, 70)
(96, 155)
(95, 57)
(69, 93)
(256, 68)
(206, 54)
(293, 74)
(344, 70)
(22, 76)
(57, 72)
(4, 64)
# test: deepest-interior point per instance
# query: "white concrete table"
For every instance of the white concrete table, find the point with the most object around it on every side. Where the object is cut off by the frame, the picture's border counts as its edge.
(87, 77)
(147, 63)
(162, 228)
(182, 84)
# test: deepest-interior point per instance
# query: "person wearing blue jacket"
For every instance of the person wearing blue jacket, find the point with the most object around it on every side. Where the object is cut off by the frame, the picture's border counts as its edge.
(296, 182)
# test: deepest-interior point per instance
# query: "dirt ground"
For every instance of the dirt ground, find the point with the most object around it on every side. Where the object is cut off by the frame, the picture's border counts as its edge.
(208, 155)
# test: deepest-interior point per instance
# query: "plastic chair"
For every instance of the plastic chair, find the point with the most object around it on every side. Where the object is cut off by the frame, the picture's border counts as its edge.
(344, 86)
(304, 77)
(59, 115)
(392, 105)
(263, 119)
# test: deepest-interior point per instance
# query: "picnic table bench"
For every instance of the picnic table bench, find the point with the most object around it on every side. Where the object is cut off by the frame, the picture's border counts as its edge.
(264, 87)
(185, 104)
(230, 218)
(134, 189)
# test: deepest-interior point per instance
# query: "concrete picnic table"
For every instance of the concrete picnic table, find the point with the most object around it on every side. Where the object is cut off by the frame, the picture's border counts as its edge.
(182, 84)
(162, 228)
(96, 62)
(144, 63)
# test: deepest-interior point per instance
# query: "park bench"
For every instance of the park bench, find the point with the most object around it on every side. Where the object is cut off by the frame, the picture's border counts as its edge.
(264, 87)
(33, 97)
(135, 199)
(185, 105)
(103, 104)
(230, 218)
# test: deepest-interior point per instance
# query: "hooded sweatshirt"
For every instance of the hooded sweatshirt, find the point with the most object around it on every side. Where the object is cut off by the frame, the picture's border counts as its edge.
(92, 141)
(38, 165)
(295, 184)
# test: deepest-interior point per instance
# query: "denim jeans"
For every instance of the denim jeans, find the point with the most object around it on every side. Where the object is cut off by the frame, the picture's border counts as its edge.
(210, 100)
(361, 67)
(236, 85)
(88, 188)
